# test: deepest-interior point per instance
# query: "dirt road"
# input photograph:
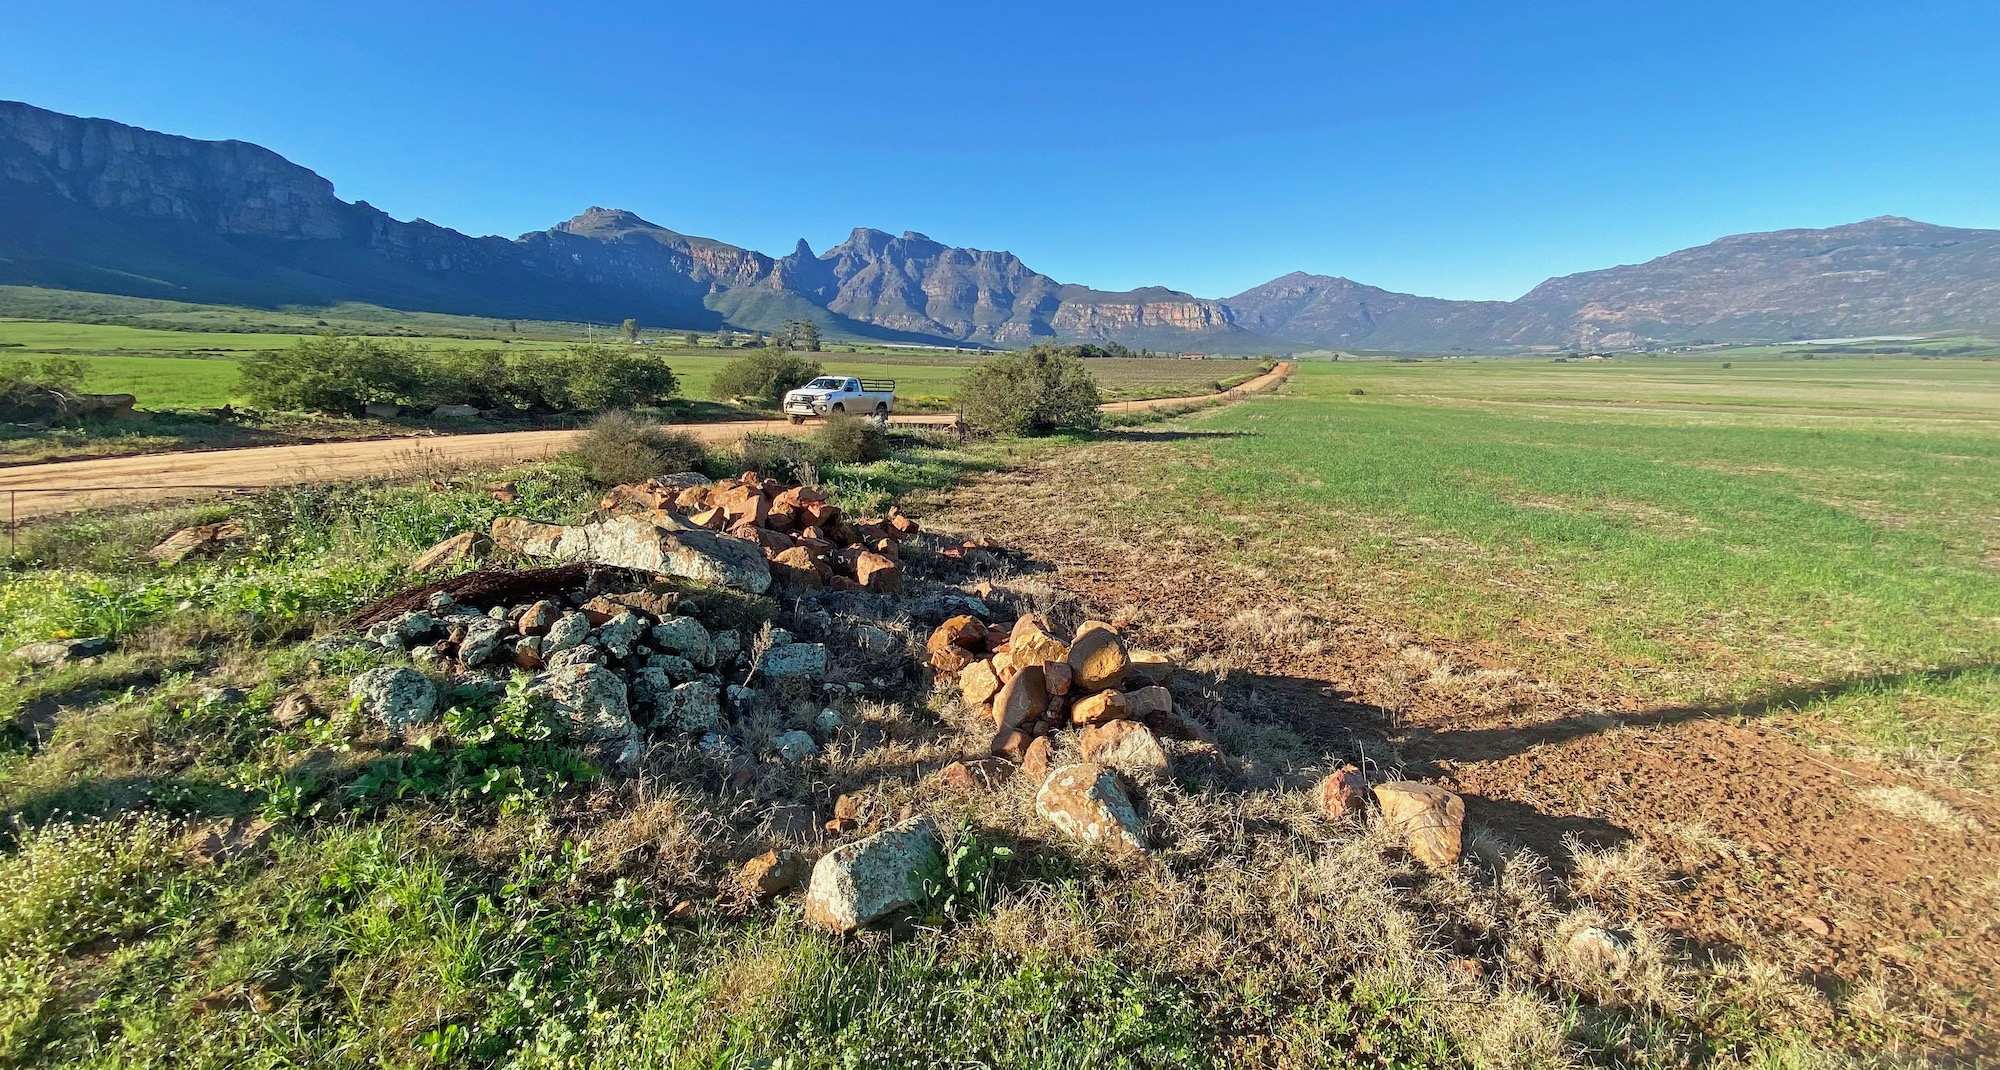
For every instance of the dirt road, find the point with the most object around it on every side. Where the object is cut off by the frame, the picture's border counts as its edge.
(39, 490)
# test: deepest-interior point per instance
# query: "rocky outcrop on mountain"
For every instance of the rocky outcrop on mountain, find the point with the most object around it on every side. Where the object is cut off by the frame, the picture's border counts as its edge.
(91, 204)
(1880, 276)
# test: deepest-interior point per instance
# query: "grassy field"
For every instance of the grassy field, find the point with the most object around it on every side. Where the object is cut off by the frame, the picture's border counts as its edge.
(1686, 531)
(197, 369)
(1676, 532)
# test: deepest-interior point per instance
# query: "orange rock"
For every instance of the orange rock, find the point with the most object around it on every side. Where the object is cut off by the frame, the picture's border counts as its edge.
(1022, 699)
(978, 682)
(1040, 753)
(691, 499)
(1031, 644)
(1343, 792)
(949, 644)
(1099, 708)
(712, 519)
(1430, 819)
(743, 503)
(878, 574)
(1059, 677)
(772, 872)
(977, 774)
(1099, 658)
(794, 569)
(1012, 743)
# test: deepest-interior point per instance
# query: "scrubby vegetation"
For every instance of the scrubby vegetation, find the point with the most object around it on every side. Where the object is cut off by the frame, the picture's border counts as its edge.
(763, 376)
(1033, 392)
(624, 447)
(345, 373)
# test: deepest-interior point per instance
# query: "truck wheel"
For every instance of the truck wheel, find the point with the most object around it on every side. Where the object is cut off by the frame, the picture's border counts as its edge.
(798, 419)
(839, 407)
(882, 408)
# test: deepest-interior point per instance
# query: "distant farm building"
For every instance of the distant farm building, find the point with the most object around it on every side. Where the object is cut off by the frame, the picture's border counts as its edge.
(1192, 356)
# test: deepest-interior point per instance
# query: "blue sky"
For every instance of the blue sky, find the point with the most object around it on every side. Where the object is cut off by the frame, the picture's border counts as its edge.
(1455, 149)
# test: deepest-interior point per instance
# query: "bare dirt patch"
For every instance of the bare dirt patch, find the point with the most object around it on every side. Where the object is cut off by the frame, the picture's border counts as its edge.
(1778, 865)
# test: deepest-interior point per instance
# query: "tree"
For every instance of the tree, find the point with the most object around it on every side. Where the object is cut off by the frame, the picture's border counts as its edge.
(629, 330)
(1033, 392)
(764, 374)
(807, 336)
(690, 339)
(722, 339)
(330, 372)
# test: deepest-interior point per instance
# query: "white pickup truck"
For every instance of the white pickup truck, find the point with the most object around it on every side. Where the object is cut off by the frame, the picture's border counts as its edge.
(841, 393)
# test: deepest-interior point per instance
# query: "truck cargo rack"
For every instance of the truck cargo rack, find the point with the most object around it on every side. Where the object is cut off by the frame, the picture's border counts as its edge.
(879, 386)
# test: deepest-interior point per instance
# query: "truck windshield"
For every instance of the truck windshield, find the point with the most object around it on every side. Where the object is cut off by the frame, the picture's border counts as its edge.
(824, 383)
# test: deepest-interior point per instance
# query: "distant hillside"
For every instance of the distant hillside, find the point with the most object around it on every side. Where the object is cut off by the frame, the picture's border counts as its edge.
(94, 205)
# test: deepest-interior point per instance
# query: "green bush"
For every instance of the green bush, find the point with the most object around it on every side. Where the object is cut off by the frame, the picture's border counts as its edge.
(622, 447)
(794, 460)
(849, 439)
(1033, 392)
(343, 374)
(764, 374)
(334, 373)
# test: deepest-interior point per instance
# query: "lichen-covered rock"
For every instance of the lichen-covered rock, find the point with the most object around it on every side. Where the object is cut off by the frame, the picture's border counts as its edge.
(569, 630)
(1127, 746)
(482, 640)
(692, 708)
(1088, 802)
(397, 696)
(685, 636)
(794, 661)
(649, 685)
(795, 746)
(619, 634)
(687, 553)
(863, 881)
(590, 701)
(403, 631)
(576, 655)
(876, 640)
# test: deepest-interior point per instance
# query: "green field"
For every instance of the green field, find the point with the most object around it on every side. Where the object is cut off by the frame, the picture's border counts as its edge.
(169, 369)
(1712, 534)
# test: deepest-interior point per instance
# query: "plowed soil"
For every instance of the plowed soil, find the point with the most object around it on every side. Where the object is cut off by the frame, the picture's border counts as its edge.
(1776, 849)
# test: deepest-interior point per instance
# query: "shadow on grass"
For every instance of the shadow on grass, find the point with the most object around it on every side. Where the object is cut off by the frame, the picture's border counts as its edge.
(1486, 743)
(107, 796)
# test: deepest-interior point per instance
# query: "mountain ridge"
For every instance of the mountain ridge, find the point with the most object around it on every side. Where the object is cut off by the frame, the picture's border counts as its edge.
(94, 204)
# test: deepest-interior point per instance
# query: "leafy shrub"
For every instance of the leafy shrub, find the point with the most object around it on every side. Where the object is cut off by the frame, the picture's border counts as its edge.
(794, 460)
(848, 439)
(764, 374)
(343, 374)
(332, 373)
(1032, 392)
(589, 378)
(623, 447)
(70, 885)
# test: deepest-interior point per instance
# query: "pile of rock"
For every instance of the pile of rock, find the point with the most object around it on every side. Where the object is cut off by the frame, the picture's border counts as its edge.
(1031, 683)
(610, 665)
(746, 532)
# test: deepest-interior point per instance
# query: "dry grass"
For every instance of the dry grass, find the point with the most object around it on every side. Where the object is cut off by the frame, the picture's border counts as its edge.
(1912, 805)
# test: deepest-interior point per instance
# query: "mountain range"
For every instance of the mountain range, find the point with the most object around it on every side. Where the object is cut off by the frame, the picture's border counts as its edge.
(95, 205)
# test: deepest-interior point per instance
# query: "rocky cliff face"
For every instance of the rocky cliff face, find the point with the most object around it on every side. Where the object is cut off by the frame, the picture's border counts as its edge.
(230, 187)
(97, 205)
